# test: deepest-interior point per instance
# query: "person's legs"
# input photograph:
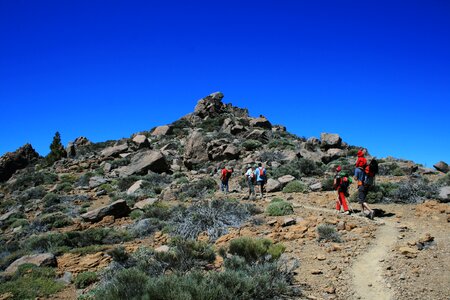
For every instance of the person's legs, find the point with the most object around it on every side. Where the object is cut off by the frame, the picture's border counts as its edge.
(343, 201)
(338, 203)
(261, 186)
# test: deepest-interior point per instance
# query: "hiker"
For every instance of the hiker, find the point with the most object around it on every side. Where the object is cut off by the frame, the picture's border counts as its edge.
(261, 178)
(225, 175)
(341, 183)
(360, 166)
(369, 181)
(251, 180)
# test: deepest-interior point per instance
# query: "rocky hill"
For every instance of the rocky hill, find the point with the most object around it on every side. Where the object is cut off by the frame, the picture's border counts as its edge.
(143, 217)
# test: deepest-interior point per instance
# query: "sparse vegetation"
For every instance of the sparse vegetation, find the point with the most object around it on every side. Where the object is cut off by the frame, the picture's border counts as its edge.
(299, 168)
(327, 232)
(254, 250)
(197, 189)
(251, 145)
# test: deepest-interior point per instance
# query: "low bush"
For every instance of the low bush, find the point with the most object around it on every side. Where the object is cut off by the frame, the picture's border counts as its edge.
(444, 180)
(31, 193)
(279, 208)
(30, 282)
(64, 187)
(51, 199)
(126, 284)
(328, 232)
(85, 279)
(295, 187)
(55, 220)
(253, 250)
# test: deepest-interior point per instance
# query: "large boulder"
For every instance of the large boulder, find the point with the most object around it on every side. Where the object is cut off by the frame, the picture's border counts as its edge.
(40, 260)
(442, 166)
(284, 180)
(330, 140)
(13, 161)
(273, 185)
(195, 150)
(114, 151)
(210, 106)
(116, 209)
(162, 130)
(261, 122)
(144, 161)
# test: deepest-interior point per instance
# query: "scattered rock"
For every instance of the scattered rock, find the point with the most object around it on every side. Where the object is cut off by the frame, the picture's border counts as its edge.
(408, 252)
(210, 106)
(272, 222)
(135, 187)
(40, 260)
(288, 222)
(114, 151)
(117, 209)
(444, 193)
(316, 272)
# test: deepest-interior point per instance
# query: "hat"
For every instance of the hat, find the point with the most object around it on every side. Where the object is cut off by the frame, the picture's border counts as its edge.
(338, 169)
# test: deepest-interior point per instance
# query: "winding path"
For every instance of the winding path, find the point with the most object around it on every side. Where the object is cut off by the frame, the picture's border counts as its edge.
(367, 273)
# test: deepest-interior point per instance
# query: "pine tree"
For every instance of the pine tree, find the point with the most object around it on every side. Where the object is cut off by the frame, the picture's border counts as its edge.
(56, 149)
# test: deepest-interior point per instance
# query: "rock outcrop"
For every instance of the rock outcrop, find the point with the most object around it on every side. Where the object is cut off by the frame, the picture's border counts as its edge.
(40, 260)
(145, 161)
(13, 161)
(442, 167)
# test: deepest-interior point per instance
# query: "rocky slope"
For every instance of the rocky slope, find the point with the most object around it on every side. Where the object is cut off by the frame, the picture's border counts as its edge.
(97, 209)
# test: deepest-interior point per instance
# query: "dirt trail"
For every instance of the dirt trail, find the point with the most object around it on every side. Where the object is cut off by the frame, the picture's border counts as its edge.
(367, 273)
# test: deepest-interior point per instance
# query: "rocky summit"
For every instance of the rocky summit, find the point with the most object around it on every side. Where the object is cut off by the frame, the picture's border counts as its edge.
(145, 217)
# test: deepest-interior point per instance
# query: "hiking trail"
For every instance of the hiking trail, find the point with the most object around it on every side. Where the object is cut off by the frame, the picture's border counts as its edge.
(367, 272)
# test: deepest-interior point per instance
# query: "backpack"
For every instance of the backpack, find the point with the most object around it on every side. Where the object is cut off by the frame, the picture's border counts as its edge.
(262, 173)
(371, 170)
(228, 175)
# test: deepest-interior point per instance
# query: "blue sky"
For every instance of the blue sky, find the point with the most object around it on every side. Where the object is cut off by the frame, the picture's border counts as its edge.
(376, 72)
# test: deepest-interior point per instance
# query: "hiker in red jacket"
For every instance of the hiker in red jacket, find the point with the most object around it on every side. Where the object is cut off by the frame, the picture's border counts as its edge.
(341, 184)
(225, 175)
(360, 166)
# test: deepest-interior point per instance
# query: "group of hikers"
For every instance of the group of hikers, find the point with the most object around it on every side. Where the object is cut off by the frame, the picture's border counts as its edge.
(253, 176)
(364, 175)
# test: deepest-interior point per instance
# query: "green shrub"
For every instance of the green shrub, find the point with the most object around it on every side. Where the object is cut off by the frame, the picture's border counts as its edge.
(281, 144)
(51, 199)
(19, 222)
(253, 250)
(212, 124)
(31, 178)
(251, 145)
(84, 179)
(328, 233)
(64, 187)
(119, 254)
(69, 178)
(398, 172)
(352, 152)
(30, 282)
(295, 187)
(279, 208)
(158, 210)
(120, 162)
(85, 279)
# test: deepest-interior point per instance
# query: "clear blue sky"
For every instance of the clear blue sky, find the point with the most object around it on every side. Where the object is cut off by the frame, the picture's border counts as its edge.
(376, 72)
